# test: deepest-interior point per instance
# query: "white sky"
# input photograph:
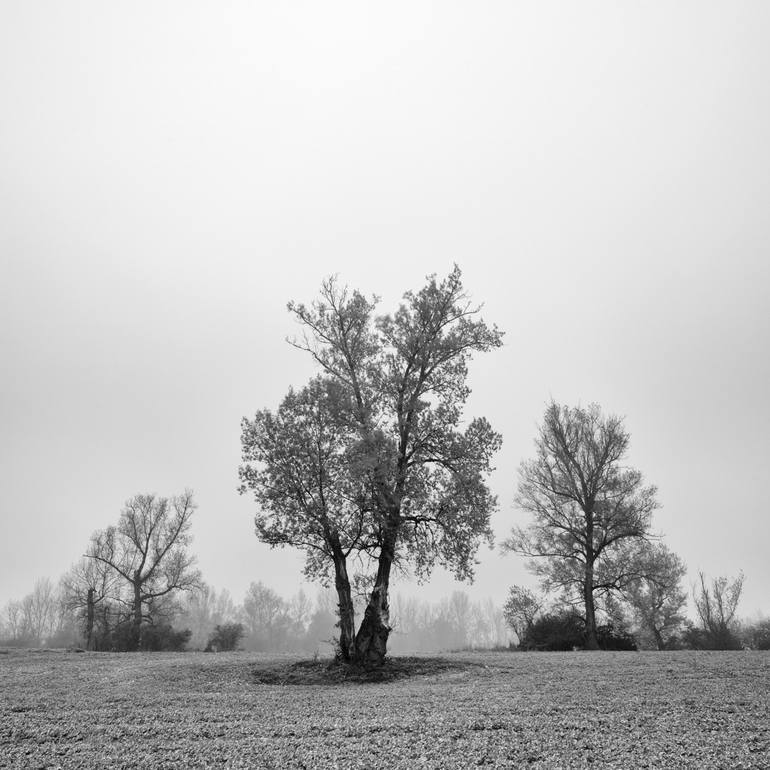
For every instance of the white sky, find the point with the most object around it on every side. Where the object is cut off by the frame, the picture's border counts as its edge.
(171, 174)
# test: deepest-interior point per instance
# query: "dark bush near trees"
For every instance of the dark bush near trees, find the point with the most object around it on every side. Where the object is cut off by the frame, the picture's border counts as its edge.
(555, 633)
(155, 638)
(164, 638)
(225, 637)
(757, 636)
(567, 631)
(611, 638)
(718, 639)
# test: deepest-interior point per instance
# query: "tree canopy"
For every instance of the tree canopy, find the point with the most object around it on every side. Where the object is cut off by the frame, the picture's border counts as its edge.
(408, 474)
(589, 512)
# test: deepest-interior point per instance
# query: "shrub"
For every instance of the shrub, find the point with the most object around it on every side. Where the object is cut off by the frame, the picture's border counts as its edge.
(757, 635)
(225, 637)
(555, 633)
(611, 638)
(164, 638)
(718, 639)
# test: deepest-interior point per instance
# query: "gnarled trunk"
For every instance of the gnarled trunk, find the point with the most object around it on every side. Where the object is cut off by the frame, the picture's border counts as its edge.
(372, 637)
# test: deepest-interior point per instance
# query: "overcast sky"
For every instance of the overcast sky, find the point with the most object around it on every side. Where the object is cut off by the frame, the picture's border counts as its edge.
(171, 174)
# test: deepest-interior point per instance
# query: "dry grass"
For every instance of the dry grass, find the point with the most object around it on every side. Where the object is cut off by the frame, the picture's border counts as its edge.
(623, 710)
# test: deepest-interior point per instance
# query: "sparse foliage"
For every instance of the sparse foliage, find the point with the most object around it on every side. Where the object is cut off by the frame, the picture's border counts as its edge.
(147, 551)
(520, 610)
(716, 603)
(656, 596)
(590, 513)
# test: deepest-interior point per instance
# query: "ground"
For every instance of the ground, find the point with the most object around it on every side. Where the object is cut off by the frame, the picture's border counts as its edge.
(608, 710)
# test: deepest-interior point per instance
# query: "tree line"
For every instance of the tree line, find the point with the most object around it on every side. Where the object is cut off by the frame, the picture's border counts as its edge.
(373, 470)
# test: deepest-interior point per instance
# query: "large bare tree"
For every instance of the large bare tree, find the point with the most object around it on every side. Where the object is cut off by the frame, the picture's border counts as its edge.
(148, 550)
(403, 377)
(589, 511)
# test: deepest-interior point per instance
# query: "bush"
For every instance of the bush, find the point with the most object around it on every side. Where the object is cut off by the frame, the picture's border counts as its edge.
(611, 638)
(560, 632)
(757, 636)
(701, 639)
(225, 638)
(555, 633)
(164, 638)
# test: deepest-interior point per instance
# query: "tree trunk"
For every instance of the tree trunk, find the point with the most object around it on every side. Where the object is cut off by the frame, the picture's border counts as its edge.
(588, 597)
(90, 612)
(136, 636)
(658, 639)
(347, 619)
(372, 637)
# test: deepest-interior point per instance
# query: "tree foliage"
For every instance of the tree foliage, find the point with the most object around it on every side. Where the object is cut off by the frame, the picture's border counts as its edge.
(589, 512)
(656, 596)
(411, 480)
(521, 608)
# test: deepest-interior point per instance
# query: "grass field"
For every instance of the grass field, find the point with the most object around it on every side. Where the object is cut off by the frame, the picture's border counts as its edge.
(623, 710)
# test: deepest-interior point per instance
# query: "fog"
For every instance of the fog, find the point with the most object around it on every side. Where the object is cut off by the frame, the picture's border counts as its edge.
(173, 174)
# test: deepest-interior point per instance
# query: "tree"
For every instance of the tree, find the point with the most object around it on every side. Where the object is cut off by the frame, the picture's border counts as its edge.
(590, 513)
(148, 550)
(420, 481)
(656, 596)
(716, 604)
(265, 617)
(86, 587)
(520, 610)
(299, 464)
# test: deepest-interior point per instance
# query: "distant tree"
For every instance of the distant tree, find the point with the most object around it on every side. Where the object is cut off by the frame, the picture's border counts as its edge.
(520, 610)
(656, 596)
(204, 609)
(148, 550)
(589, 511)
(716, 603)
(265, 616)
(87, 586)
(40, 608)
(402, 383)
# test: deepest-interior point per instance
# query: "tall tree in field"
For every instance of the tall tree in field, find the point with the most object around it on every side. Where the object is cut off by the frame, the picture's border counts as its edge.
(656, 596)
(300, 464)
(148, 550)
(403, 383)
(589, 511)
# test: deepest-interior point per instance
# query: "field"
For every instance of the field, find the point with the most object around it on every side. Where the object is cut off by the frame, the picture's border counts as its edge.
(623, 710)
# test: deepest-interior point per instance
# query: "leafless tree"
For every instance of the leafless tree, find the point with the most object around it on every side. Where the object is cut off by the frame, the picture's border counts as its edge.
(716, 603)
(148, 550)
(86, 587)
